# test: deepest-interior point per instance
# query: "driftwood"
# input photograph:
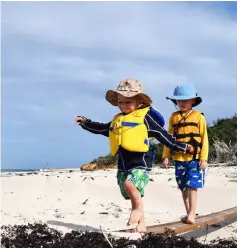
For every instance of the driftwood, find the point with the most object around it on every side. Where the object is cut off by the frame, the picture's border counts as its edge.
(225, 152)
(223, 164)
(201, 222)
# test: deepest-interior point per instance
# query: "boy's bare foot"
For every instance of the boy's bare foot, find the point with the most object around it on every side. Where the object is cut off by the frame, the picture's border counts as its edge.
(134, 217)
(190, 219)
(184, 218)
(141, 227)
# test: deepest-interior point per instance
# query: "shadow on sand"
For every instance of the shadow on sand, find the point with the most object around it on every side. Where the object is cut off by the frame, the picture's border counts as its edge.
(72, 226)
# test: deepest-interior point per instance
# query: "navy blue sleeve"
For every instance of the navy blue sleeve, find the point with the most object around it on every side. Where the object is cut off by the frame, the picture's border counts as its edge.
(96, 127)
(158, 116)
(157, 131)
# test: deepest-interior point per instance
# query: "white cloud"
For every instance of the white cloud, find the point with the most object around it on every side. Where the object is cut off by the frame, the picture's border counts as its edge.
(59, 58)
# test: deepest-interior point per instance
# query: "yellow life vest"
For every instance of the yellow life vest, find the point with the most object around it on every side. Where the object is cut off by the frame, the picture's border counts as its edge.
(129, 131)
(186, 129)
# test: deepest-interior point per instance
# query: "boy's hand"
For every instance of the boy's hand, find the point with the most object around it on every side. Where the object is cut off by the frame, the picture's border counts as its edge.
(79, 120)
(203, 164)
(165, 163)
(190, 149)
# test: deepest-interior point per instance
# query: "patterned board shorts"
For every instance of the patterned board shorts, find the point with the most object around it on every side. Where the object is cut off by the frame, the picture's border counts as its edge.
(138, 177)
(189, 175)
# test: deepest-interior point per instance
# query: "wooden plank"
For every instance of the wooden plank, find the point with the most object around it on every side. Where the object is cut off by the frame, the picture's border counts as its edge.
(201, 222)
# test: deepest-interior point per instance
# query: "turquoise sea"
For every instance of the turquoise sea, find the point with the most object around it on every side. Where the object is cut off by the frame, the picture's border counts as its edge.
(17, 170)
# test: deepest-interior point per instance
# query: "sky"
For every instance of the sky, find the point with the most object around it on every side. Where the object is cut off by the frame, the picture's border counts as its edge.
(59, 59)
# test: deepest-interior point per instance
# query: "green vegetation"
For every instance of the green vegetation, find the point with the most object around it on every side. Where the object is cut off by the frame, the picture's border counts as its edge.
(104, 161)
(223, 139)
(224, 130)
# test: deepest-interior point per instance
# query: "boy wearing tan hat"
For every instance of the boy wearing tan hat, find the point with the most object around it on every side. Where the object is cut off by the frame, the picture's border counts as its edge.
(129, 134)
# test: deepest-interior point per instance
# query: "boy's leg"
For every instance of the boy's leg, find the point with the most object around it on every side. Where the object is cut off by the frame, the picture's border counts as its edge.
(136, 200)
(141, 227)
(185, 195)
(180, 175)
(192, 197)
(196, 178)
(129, 192)
(134, 185)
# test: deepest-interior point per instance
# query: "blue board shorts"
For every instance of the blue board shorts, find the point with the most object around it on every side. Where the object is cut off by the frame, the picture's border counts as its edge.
(189, 175)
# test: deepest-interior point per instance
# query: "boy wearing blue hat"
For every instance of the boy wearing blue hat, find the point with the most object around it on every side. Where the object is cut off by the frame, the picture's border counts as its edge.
(188, 125)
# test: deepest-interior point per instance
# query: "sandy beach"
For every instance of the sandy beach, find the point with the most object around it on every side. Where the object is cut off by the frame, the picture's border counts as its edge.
(83, 200)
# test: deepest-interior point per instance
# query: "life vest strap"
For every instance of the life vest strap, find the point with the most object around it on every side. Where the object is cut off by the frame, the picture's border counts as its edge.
(185, 124)
(185, 135)
(195, 145)
(146, 142)
(181, 122)
(130, 124)
(126, 124)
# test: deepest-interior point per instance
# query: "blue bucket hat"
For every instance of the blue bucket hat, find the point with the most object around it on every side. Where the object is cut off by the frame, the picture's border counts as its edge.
(185, 92)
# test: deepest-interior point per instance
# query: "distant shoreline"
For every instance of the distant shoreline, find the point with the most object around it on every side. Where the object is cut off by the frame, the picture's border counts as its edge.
(18, 170)
(39, 170)
(234, 163)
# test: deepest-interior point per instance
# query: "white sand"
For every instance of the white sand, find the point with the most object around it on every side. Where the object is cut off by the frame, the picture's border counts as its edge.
(85, 200)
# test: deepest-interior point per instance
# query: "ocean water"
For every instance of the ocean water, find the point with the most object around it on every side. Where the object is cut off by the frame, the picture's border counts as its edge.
(18, 170)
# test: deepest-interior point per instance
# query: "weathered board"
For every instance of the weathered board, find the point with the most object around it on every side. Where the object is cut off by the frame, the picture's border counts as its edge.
(201, 222)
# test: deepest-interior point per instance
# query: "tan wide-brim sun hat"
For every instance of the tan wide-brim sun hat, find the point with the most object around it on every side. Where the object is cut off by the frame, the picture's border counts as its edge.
(128, 88)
